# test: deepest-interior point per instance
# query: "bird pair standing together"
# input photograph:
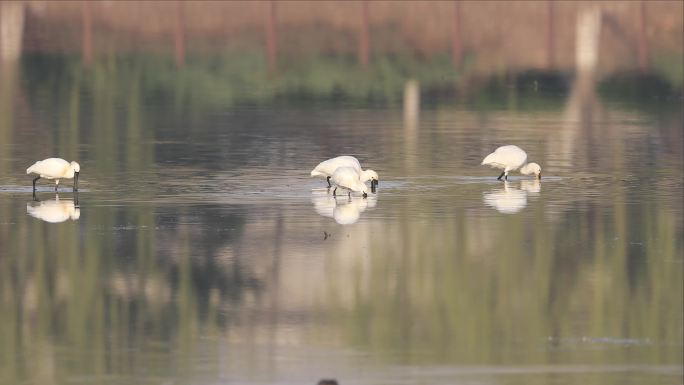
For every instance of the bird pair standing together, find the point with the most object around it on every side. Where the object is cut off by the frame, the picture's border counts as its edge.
(510, 158)
(345, 172)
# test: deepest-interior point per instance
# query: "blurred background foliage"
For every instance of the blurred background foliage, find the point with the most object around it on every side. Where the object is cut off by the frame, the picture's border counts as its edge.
(163, 100)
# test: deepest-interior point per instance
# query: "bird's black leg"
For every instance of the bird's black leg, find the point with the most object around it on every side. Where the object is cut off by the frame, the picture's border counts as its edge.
(349, 194)
(506, 177)
(328, 179)
(501, 176)
(34, 183)
(334, 192)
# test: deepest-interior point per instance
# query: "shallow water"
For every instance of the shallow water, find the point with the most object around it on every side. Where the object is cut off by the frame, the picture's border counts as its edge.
(199, 250)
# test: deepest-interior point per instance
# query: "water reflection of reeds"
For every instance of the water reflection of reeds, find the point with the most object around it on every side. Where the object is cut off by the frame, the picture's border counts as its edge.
(467, 288)
(169, 248)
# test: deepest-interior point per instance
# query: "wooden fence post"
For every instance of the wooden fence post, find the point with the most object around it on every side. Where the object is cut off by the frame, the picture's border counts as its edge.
(87, 33)
(179, 34)
(456, 55)
(364, 43)
(271, 36)
(550, 35)
(643, 41)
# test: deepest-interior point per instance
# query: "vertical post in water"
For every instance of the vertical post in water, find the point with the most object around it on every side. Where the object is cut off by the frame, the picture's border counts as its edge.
(456, 35)
(411, 123)
(11, 36)
(364, 44)
(87, 38)
(587, 48)
(179, 34)
(643, 42)
(587, 42)
(12, 14)
(582, 105)
(550, 35)
(411, 104)
(271, 36)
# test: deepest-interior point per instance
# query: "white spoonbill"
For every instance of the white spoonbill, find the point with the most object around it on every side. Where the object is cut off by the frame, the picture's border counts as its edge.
(348, 178)
(510, 158)
(55, 168)
(326, 168)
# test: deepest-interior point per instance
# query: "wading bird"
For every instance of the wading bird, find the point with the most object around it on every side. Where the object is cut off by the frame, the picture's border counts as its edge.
(326, 169)
(55, 168)
(510, 158)
(348, 178)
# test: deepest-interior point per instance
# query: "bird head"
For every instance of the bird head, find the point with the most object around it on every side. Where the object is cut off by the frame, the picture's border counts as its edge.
(531, 168)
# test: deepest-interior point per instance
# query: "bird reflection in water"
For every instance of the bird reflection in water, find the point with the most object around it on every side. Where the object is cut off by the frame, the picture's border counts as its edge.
(343, 210)
(511, 200)
(532, 186)
(54, 210)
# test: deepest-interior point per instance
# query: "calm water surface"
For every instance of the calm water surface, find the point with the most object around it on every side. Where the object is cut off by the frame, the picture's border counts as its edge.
(199, 250)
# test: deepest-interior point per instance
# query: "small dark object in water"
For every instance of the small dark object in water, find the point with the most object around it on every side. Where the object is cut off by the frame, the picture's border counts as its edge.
(326, 235)
(327, 381)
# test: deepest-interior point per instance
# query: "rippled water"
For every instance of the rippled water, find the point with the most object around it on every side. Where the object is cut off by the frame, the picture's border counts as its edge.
(199, 250)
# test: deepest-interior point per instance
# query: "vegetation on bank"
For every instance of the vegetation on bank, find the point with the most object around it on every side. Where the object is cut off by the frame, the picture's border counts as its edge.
(206, 83)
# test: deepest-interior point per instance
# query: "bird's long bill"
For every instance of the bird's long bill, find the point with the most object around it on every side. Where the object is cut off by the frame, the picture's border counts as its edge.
(75, 181)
